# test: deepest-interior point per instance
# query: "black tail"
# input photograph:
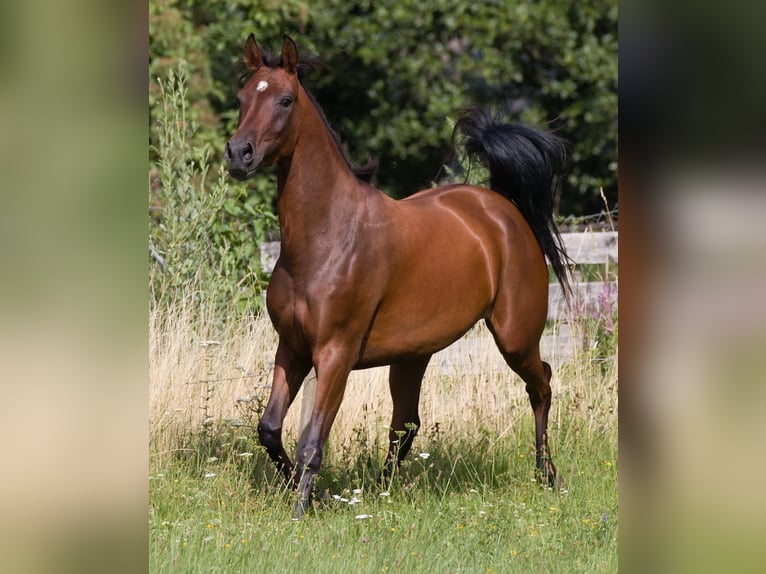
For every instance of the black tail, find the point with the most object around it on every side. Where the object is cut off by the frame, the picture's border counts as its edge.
(523, 163)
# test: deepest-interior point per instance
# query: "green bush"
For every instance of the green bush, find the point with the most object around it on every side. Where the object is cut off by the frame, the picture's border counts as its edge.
(399, 70)
(203, 236)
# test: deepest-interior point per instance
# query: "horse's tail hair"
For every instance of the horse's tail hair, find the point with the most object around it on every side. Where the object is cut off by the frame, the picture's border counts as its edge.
(523, 164)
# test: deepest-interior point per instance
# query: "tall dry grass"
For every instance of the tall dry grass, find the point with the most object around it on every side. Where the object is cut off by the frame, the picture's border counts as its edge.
(204, 371)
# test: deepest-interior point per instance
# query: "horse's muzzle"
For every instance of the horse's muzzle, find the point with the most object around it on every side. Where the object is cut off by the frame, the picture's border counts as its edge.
(241, 159)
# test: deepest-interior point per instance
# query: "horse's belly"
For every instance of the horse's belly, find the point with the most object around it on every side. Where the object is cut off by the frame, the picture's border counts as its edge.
(432, 301)
(408, 333)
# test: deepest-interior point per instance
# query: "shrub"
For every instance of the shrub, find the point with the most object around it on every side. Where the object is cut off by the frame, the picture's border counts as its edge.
(203, 235)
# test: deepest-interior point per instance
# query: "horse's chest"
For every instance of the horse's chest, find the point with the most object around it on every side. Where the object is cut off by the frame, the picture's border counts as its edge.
(288, 306)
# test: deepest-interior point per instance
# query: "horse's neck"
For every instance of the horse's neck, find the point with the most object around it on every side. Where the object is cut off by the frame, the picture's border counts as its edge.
(318, 195)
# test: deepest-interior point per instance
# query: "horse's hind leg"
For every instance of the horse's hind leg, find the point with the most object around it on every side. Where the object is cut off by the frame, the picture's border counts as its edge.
(404, 381)
(525, 361)
(289, 372)
(539, 391)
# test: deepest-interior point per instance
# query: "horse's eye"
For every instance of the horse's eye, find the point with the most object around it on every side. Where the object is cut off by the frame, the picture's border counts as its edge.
(286, 102)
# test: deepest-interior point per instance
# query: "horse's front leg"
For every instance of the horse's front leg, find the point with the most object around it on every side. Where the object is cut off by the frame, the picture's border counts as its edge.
(333, 365)
(289, 371)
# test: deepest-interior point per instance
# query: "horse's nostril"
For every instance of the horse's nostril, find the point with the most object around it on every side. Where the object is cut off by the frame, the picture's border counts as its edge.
(227, 151)
(247, 152)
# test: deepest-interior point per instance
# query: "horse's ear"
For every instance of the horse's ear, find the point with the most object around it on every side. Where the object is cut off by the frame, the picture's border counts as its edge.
(289, 59)
(253, 54)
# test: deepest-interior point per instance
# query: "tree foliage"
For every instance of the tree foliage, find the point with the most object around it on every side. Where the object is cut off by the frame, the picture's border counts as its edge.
(399, 71)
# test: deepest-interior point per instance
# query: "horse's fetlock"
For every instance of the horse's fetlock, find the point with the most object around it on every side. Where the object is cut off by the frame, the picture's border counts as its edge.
(309, 459)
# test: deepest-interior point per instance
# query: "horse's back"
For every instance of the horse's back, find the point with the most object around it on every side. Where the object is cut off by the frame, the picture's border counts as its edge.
(475, 215)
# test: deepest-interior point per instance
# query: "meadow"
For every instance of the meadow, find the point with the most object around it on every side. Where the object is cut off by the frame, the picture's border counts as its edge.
(466, 499)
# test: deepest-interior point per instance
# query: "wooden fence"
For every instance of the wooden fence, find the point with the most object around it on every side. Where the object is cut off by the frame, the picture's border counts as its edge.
(589, 248)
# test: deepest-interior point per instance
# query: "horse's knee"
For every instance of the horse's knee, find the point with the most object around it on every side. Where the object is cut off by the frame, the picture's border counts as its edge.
(548, 371)
(270, 435)
(401, 434)
(406, 426)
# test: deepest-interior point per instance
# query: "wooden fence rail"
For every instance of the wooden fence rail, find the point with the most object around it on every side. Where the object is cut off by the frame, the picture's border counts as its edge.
(589, 248)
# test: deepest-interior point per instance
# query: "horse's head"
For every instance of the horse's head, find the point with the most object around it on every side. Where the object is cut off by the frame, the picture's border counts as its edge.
(265, 131)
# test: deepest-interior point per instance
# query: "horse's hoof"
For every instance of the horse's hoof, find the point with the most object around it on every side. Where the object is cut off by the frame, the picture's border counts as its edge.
(555, 482)
(549, 477)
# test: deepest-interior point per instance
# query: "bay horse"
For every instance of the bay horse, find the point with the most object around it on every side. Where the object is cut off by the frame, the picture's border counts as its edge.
(364, 280)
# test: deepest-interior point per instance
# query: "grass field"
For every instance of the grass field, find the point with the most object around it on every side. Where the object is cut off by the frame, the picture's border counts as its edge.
(465, 501)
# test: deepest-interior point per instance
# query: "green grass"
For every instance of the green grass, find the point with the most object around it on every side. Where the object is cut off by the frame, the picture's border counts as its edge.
(471, 505)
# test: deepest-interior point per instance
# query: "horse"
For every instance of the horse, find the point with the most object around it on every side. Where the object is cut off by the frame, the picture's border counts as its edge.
(364, 280)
